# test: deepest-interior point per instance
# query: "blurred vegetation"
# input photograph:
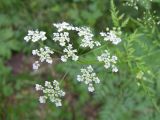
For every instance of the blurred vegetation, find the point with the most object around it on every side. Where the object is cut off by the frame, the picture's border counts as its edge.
(132, 94)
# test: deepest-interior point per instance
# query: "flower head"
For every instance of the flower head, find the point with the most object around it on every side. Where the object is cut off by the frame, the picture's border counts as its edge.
(35, 36)
(51, 91)
(44, 55)
(70, 52)
(89, 77)
(62, 37)
(87, 38)
(112, 36)
(109, 61)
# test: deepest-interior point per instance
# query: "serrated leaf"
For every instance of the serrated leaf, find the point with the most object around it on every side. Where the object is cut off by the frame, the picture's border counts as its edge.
(125, 22)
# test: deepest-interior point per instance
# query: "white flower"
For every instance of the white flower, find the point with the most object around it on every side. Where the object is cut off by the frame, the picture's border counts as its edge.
(70, 52)
(42, 99)
(48, 84)
(52, 92)
(64, 58)
(109, 61)
(36, 65)
(114, 59)
(114, 68)
(35, 36)
(63, 26)
(63, 38)
(44, 55)
(112, 36)
(79, 78)
(39, 87)
(90, 88)
(97, 43)
(88, 77)
(58, 103)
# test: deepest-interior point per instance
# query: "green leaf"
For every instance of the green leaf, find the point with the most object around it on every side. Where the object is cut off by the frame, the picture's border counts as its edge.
(6, 34)
(7, 90)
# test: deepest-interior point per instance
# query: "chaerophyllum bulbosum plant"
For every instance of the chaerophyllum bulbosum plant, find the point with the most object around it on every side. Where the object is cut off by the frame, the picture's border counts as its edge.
(86, 39)
(61, 37)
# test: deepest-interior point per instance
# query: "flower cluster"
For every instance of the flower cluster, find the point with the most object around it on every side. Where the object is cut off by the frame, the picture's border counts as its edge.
(35, 36)
(84, 32)
(89, 77)
(70, 52)
(134, 3)
(51, 91)
(62, 37)
(112, 35)
(150, 19)
(109, 61)
(44, 55)
(87, 39)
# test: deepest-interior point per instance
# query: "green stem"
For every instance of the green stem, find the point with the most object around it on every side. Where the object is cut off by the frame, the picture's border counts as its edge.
(93, 50)
(150, 54)
(153, 102)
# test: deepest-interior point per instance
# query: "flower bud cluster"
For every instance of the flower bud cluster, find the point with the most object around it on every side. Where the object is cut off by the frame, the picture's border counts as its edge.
(150, 19)
(134, 3)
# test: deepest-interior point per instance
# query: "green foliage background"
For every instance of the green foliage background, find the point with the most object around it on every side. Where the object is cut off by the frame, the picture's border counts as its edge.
(127, 95)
